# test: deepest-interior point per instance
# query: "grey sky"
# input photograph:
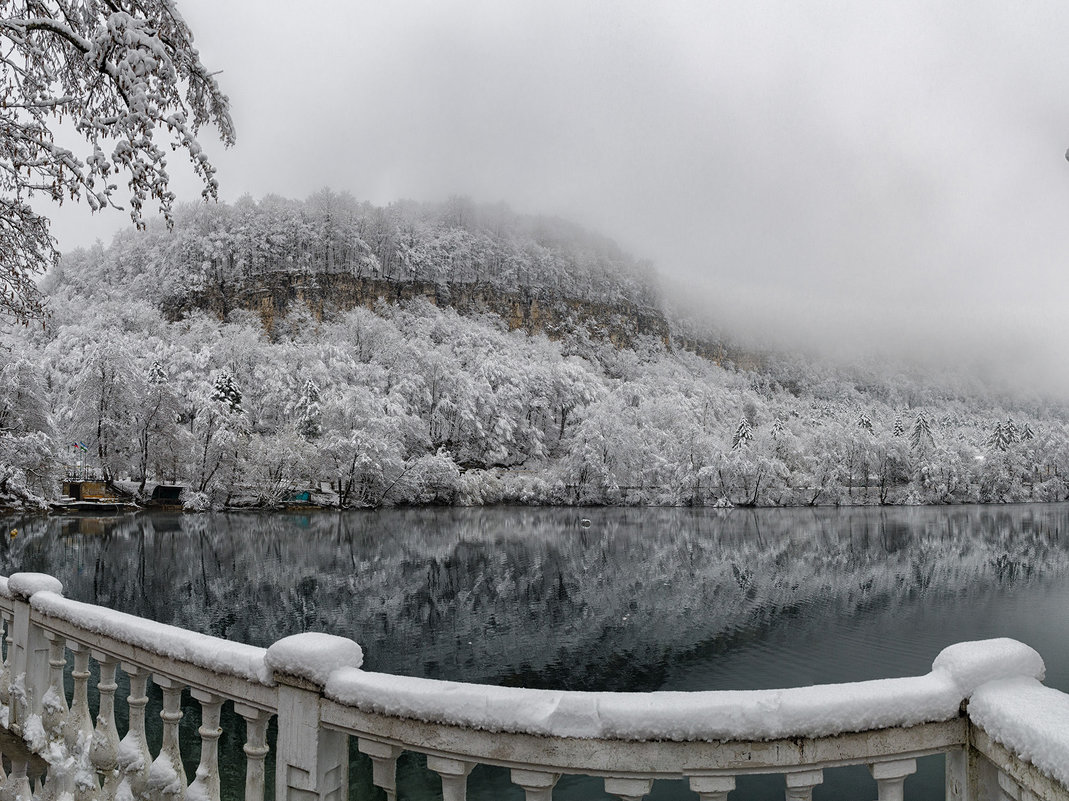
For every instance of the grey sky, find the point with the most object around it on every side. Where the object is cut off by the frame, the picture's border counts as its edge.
(847, 169)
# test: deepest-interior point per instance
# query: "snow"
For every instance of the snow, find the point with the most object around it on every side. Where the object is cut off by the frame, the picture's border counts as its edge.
(980, 661)
(720, 715)
(680, 716)
(313, 656)
(1029, 719)
(212, 653)
(26, 584)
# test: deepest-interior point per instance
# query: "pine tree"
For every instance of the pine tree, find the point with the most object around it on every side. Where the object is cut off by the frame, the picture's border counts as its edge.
(743, 434)
(1012, 434)
(1027, 433)
(309, 412)
(920, 439)
(898, 429)
(224, 390)
(999, 440)
(864, 422)
(156, 375)
(778, 429)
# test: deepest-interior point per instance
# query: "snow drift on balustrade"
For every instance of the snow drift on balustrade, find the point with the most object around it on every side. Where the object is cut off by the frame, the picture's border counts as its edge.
(202, 650)
(1029, 719)
(720, 715)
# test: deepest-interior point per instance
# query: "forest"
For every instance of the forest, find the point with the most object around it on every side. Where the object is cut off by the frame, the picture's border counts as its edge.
(401, 401)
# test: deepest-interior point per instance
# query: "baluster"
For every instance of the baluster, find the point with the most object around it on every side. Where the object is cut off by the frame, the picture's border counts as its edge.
(17, 786)
(800, 784)
(712, 788)
(383, 764)
(454, 775)
(104, 751)
(628, 789)
(255, 749)
(78, 731)
(206, 782)
(59, 779)
(54, 705)
(891, 776)
(537, 786)
(166, 775)
(134, 754)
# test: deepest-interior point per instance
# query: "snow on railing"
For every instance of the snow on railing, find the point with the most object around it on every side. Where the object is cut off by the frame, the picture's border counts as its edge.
(1004, 734)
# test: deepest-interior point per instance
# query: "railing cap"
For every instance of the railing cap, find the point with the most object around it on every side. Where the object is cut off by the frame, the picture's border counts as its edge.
(970, 664)
(313, 656)
(24, 585)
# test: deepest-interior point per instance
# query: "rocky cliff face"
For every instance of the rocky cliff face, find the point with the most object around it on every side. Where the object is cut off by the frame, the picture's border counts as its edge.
(536, 311)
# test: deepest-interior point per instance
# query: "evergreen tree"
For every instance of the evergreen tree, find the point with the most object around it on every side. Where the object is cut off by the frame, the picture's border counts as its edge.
(920, 438)
(743, 434)
(309, 412)
(999, 439)
(898, 429)
(224, 390)
(864, 422)
(156, 375)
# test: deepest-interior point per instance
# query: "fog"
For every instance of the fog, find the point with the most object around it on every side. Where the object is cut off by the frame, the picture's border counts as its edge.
(887, 173)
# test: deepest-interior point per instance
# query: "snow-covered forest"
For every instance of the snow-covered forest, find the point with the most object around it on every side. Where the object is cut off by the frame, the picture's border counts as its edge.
(140, 374)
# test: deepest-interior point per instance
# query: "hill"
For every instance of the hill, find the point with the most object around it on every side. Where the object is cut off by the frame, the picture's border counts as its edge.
(466, 355)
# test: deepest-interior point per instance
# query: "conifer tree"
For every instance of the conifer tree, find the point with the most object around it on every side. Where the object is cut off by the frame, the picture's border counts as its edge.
(743, 434)
(224, 390)
(920, 438)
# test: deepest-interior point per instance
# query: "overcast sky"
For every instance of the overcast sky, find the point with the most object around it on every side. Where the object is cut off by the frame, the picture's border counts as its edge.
(853, 170)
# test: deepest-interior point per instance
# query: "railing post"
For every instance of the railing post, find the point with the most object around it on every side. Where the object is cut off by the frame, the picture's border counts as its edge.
(311, 761)
(30, 658)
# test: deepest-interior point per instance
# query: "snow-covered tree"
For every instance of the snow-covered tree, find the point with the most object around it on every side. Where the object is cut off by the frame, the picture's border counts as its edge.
(308, 411)
(743, 434)
(920, 438)
(122, 73)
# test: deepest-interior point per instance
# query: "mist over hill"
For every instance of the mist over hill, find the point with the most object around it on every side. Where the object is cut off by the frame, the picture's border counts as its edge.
(464, 354)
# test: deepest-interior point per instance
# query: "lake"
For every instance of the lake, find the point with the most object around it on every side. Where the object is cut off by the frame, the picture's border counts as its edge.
(607, 599)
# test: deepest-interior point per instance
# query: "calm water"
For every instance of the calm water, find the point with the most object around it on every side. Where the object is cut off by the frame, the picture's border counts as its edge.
(634, 600)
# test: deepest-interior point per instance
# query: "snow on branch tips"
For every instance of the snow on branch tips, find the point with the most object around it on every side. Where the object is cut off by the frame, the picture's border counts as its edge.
(125, 74)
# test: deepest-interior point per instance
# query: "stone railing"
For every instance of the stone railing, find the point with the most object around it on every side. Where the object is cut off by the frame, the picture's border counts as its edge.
(1003, 733)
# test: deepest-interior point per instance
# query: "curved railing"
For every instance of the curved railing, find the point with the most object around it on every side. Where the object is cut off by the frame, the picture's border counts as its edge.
(1004, 734)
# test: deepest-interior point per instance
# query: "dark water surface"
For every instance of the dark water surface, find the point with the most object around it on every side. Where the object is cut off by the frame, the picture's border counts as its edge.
(638, 599)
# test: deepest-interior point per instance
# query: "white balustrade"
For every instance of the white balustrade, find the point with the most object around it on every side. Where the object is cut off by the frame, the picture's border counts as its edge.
(302, 681)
